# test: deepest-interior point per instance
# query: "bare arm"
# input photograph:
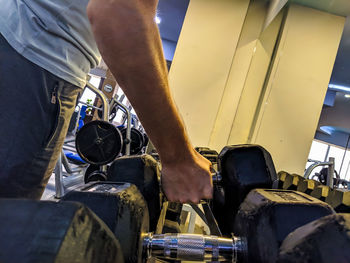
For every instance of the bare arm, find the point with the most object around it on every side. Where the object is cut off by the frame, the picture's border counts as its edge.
(129, 42)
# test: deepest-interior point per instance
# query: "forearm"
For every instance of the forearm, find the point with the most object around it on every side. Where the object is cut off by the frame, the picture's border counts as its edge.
(129, 41)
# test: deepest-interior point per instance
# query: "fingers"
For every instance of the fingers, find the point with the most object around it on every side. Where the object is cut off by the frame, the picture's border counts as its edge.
(188, 183)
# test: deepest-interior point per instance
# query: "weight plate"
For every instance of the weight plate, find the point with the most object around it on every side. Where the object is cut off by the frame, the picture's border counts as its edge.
(98, 142)
(136, 143)
(145, 139)
(97, 176)
(91, 169)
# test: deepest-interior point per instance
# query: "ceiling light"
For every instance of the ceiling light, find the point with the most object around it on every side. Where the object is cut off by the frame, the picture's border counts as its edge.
(158, 20)
(339, 87)
(347, 96)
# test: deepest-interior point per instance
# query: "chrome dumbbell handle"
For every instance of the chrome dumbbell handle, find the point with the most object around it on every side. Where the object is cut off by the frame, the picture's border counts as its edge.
(193, 247)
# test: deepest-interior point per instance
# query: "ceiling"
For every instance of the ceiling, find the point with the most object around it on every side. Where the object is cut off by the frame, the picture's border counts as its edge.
(341, 70)
(172, 14)
(339, 7)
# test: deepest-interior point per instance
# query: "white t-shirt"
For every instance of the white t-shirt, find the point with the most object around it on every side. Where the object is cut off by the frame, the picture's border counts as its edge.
(54, 34)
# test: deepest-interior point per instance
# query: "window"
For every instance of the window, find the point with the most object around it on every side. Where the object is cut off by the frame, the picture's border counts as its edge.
(321, 151)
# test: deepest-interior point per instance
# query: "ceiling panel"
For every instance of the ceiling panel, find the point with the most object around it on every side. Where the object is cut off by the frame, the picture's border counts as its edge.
(339, 7)
(172, 14)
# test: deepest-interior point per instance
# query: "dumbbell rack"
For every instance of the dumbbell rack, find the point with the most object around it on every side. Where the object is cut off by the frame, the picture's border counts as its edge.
(61, 183)
(315, 164)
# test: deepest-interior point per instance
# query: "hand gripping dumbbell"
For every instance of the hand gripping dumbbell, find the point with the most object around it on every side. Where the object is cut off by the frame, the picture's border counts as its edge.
(241, 169)
(64, 231)
(265, 218)
(123, 209)
(260, 225)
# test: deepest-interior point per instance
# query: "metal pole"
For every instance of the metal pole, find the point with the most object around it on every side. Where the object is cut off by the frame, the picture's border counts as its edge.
(330, 172)
(342, 161)
(59, 187)
(128, 126)
(105, 105)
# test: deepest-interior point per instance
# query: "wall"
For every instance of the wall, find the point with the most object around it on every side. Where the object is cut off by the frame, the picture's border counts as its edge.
(202, 62)
(234, 83)
(296, 87)
(246, 78)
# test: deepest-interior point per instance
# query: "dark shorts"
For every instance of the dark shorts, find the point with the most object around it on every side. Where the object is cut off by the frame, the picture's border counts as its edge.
(35, 110)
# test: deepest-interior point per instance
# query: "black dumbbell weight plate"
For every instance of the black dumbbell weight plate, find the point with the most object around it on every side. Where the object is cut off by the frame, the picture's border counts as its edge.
(98, 142)
(94, 173)
(136, 143)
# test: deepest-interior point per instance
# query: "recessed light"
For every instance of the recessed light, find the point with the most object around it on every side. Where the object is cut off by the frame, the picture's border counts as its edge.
(339, 87)
(158, 20)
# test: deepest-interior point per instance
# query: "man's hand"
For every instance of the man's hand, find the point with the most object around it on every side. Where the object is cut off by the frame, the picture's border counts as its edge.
(187, 181)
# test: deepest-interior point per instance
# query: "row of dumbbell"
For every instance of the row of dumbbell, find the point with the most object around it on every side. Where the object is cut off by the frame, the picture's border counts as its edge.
(244, 168)
(100, 142)
(339, 199)
(260, 219)
(243, 173)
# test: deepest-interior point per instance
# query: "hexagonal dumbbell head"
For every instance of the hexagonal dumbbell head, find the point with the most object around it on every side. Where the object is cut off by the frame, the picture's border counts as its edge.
(46, 231)
(291, 182)
(281, 178)
(322, 241)
(243, 168)
(340, 200)
(307, 186)
(321, 192)
(266, 217)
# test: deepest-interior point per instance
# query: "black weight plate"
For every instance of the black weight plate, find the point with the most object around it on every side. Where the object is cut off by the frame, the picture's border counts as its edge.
(98, 142)
(93, 173)
(145, 139)
(136, 143)
(97, 176)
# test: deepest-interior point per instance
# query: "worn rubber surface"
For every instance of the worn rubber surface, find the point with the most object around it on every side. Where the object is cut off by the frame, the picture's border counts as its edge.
(122, 207)
(43, 231)
(267, 216)
(325, 240)
(243, 168)
(142, 171)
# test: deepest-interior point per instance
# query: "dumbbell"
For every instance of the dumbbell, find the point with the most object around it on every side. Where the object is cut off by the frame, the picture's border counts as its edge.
(121, 207)
(289, 181)
(94, 173)
(136, 140)
(307, 186)
(47, 231)
(98, 142)
(144, 172)
(321, 192)
(322, 241)
(339, 199)
(242, 168)
(246, 167)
